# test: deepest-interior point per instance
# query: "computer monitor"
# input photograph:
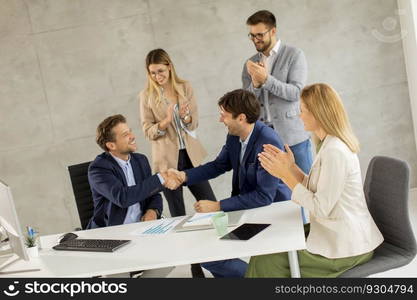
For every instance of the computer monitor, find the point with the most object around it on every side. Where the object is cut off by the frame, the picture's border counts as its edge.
(10, 223)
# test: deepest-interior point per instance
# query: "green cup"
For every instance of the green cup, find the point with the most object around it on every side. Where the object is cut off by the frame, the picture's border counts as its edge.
(220, 222)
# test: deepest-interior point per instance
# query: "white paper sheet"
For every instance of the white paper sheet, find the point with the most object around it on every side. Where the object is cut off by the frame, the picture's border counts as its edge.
(164, 226)
(200, 219)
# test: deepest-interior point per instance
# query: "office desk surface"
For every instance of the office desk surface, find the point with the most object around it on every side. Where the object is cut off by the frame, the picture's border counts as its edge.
(157, 251)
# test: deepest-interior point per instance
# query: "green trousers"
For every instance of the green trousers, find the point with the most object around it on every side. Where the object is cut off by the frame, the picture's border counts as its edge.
(311, 265)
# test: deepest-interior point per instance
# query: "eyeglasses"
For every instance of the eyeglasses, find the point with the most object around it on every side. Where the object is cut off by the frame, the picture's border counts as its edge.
(258, 36)
(158, 72)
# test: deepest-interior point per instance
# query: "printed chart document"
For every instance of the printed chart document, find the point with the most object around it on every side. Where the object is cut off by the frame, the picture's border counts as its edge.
(163, 226)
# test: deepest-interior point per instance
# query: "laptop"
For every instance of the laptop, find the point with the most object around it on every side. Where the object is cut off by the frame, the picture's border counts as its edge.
(234, 217)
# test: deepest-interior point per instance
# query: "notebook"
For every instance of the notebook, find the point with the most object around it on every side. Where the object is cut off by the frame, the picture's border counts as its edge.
(201, 221)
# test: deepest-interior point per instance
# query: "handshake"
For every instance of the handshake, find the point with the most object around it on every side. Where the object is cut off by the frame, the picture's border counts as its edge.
(173, 178)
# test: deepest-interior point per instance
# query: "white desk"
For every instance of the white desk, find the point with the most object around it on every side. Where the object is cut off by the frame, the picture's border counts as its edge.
(158, 251)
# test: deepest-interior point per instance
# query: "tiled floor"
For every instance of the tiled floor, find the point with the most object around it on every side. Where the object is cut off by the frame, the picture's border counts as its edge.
(407, 271)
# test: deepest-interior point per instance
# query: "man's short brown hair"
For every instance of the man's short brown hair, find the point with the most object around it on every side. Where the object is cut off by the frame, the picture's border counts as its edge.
(241, 102)
(105, 130)
(262, 16)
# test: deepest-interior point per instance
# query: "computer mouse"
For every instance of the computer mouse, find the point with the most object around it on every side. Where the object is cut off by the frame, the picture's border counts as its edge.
(67, 237)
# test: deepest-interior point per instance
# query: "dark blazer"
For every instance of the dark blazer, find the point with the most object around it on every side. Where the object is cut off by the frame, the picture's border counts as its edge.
(256, 187)
(112, 196)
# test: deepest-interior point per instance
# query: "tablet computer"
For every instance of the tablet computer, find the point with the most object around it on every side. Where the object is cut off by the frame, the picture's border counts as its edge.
(245, 231)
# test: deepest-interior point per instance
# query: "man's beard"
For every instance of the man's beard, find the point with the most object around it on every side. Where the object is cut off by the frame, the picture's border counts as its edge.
(233, 131)
(127, 152)
(264, 46)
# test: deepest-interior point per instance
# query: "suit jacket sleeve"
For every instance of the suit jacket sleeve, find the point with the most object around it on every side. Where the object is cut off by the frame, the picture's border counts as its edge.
(189, 94)
(105, 182)
(297, 77)
(211, 169)
(154, 201)
(330, 185)
(263, 195)
(247, 83)
(267, 188)
(150, 126)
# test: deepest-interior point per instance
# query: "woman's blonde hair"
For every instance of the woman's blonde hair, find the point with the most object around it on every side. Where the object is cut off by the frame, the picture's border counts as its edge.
(159, 56)
(328, 110)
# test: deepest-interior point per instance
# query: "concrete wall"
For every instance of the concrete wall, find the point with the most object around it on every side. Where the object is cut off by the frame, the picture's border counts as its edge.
(407, 11)
(67, 64)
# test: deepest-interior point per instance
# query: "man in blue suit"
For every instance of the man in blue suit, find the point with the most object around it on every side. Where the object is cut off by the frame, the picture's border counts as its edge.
(252, 185)
(123, 187)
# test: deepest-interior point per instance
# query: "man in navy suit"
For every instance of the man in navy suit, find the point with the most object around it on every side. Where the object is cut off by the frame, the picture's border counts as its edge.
(123, 187)
(252, 185)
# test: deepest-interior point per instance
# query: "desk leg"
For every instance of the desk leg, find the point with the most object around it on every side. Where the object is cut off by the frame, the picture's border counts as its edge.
(294, 267)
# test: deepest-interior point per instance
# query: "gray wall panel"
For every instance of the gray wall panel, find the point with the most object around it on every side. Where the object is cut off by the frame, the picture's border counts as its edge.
(67, 64)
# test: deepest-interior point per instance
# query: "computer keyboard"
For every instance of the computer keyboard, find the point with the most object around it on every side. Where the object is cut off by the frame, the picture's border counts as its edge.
(91, 245)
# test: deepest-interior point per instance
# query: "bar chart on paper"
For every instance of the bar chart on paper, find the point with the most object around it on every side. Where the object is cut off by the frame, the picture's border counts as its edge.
(162, 227)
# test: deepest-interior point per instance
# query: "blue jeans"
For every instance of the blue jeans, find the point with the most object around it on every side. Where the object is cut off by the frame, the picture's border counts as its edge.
(303, 155)
(231, 268)
(303, 159)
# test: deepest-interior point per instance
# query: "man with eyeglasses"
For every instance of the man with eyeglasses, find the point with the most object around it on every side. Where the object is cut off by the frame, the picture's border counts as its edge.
(276, 75)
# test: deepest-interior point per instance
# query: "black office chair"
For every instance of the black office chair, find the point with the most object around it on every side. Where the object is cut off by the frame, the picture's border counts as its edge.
(84, 199)
(85, 206)
(82, 192)
(386, 189)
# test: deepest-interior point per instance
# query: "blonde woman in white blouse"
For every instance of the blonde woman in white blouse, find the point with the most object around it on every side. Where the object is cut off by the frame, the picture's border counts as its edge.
(342, 233)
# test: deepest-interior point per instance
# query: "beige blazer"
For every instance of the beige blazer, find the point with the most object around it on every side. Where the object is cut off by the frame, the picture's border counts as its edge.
(165, 148)
(341, 225)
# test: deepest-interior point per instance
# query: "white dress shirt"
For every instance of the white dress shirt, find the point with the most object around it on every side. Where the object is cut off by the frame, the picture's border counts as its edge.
(243, 145)
(268, 60)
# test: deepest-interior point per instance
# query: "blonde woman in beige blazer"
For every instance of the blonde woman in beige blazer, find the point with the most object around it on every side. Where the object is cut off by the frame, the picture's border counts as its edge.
(169, 116)
(342, 233)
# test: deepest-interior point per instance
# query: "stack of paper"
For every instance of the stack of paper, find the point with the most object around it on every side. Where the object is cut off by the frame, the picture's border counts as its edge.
(200, 219)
